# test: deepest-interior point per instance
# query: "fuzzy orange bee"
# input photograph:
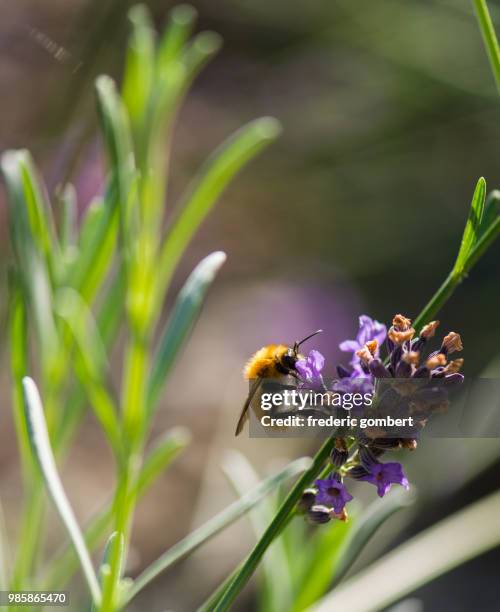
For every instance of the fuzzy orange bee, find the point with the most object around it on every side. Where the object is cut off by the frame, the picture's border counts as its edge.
(274, 361)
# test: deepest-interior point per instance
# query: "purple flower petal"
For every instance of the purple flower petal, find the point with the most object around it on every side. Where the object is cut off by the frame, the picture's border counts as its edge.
(384, 475)
(316, 362)
(331, 492)
(349, 346)
(302, 368)
(310, 368)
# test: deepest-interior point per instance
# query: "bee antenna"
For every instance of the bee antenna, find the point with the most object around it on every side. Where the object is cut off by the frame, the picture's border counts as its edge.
(318, 331)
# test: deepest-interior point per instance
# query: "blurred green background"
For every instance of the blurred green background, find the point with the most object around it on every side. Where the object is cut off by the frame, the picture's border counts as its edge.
(390, 115)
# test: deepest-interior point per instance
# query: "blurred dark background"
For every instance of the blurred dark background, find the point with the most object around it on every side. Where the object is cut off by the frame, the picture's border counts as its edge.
(390, 115)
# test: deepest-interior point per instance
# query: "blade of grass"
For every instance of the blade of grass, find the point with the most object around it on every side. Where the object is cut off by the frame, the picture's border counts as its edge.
(451, 542)
(30, 212)
(491, 211)
(277, 588)
(215, 175)
(472, 227)
(18, 342)
(97, 244)
(489, 38)
(68, 232)
(163, 452)
(40, 445)
(323, 555)
(91, 362)
(139, 67)
(371, 520)
(118, 143)
(184, 315)
(181, 23)
(30, 236)
(211, 528)
(483, 244)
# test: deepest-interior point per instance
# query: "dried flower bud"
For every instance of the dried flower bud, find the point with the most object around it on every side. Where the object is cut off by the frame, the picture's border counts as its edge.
(411, 357)
(318, 515)
(454, 366)
(365, 355)
(384, 444)
(401, 323)
(340, 453)
(429, 330)
(435, 361)
(341, 516)
(409, 443)
(399, 337)
(451, 343)
(306, 501)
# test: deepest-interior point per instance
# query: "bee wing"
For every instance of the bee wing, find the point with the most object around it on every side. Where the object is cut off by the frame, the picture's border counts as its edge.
(244, 412)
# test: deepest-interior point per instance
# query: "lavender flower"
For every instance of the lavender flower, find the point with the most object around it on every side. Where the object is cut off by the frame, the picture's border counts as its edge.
(359, 379)
(310, 368)
(409, 381)
(331, 492)
(369, 330)
(384, 475)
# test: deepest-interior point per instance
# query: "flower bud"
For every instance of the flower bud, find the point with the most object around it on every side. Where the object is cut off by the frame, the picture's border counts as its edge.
(306, 501)
(318, 515)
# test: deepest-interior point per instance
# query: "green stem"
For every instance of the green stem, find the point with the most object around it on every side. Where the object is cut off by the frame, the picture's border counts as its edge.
(437, 301)
(123, 506)
(222, 601)
(489, 38)
(134, 411)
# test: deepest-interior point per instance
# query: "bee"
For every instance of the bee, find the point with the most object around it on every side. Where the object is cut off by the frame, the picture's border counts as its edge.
(274, 361)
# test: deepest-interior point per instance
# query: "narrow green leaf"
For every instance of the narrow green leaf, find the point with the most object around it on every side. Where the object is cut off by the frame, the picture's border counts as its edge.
(489, 38)
(18, 342)
(163, 452)
(483, 244)
(30, 212)
(323, 555)
(204, 46)
(31, 239)
(92, 219)
(41, 304)
(182, 18)
(111, 312)
(97, 243)
(472, 227)
(139, 66)
(491, 211)
(437, 550)
(69, 214)
(40, 445)
(214, 176)
(185, 313)
(115, 539)
(372, 519)
(91, 362)
(211, 528)
(118, 141)
(277, 587)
